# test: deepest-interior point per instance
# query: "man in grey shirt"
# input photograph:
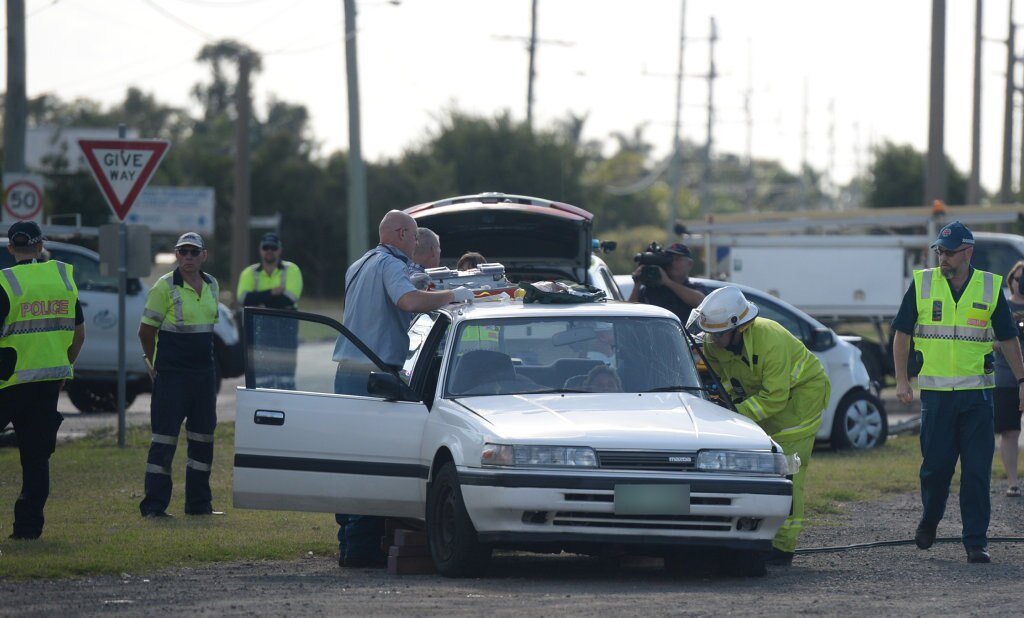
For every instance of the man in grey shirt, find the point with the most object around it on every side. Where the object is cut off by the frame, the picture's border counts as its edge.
(380, 303)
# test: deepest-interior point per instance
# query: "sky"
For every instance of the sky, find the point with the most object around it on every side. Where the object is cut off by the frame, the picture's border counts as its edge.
(827, 80)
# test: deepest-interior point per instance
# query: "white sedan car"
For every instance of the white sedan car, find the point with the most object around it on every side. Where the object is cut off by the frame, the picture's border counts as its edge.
(580, 428)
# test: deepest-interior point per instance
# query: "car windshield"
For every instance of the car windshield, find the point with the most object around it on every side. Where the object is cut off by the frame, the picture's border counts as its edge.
(585, 354)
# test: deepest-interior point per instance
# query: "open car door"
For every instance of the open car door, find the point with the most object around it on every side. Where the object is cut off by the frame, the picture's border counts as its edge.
(310, 437)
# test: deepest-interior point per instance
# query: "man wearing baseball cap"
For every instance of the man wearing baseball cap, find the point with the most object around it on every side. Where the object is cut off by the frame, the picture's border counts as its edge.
(955, 314)
(177, 342)
(673, 289)
(41, 333)
(276, 284)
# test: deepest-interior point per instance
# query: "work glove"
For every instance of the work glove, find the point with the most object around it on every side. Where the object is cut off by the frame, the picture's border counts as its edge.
(462, 294)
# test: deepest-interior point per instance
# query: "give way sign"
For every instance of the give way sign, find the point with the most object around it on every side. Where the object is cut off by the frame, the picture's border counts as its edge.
(122, 168)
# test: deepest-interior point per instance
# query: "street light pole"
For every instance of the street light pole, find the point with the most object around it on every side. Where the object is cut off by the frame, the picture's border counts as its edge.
(357, 202)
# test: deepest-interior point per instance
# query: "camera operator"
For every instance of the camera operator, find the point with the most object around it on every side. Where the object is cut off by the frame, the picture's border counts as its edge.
(662, 278)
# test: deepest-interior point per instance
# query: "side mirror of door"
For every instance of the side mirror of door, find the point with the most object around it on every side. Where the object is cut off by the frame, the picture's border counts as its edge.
(821, 339)
(390, 387)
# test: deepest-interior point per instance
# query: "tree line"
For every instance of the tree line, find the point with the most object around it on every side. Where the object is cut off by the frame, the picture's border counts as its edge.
(627, 190)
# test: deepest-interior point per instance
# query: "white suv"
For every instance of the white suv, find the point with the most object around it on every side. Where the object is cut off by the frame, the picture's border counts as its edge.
(94, 388)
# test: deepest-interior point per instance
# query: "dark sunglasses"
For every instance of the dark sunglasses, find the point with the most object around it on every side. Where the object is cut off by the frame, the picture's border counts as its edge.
(269, 247)
(192, 252)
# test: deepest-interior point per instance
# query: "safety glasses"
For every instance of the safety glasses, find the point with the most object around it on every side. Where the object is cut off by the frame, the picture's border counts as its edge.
(182, 251)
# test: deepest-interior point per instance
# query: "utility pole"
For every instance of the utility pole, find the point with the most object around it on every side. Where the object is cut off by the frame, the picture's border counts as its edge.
(804, 113)
(677, 145)
(974, 183)
(532, 73)
(1007, 177)
(748, 108)
(935, 172)
(705, 184)
(15, 107)
(240, 216)
(357, 203)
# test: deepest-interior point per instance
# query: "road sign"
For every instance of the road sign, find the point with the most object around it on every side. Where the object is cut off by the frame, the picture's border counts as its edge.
(23, 198)
(173, 210)
(122, 167)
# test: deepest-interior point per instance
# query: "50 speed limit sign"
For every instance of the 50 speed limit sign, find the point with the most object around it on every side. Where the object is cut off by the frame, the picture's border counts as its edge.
(23, 198)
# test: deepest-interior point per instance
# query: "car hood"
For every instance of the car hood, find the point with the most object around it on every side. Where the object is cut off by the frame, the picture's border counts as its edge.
(524, 238)
(650, 421)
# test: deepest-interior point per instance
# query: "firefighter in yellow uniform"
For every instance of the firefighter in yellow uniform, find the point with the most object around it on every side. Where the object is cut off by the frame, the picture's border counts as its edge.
(275, 284)
(41, 333)
(774, 381)
(177, 340)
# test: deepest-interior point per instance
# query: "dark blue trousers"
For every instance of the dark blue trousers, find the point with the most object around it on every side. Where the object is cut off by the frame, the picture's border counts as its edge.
(359, 536)
(958, 425)
(32, 409)
(177, 397)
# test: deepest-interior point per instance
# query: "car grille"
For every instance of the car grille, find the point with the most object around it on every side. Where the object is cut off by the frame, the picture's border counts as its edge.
(647, 460)
(708, 523)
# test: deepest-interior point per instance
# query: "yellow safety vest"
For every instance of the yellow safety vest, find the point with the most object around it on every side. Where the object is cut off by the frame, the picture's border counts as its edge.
(288, 277)
(41, 323)
(954, 337)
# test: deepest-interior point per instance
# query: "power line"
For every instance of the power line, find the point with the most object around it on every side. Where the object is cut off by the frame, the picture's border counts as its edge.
(171, 16)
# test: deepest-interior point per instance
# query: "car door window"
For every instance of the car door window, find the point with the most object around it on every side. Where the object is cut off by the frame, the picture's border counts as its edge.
(87, 272)
(290, 350)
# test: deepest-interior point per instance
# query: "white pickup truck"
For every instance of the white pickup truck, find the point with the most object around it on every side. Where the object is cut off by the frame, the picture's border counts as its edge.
(94, 388)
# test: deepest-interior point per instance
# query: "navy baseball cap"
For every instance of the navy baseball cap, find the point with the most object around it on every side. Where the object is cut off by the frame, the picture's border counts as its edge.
(25, 234)
(270, 238)
(679, 249)
(954, 235)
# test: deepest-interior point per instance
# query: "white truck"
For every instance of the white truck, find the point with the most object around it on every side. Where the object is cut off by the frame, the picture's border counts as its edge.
(841, 278)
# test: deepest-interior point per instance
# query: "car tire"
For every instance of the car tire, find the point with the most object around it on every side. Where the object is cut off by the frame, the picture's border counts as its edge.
(860, 422)
(91, 397)
(453, 541)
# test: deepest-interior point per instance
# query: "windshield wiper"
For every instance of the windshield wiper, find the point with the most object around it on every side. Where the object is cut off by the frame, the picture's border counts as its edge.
(545, 391)
(669, 389)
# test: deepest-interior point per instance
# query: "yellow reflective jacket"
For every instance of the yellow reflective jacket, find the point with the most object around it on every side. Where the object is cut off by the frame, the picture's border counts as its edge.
(783, 387)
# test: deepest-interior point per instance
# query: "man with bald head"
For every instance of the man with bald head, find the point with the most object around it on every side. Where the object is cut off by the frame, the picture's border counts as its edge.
(380, 304)
(427, 254)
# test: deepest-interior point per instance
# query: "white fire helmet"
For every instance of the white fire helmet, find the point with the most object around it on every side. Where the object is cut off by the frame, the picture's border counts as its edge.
(723, 310)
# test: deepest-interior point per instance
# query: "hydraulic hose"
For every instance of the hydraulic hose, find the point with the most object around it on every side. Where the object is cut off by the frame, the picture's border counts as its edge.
(948, 539)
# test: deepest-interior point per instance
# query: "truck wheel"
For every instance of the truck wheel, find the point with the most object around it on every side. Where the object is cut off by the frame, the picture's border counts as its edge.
(860, 422)
(91, 397)
(453, 541)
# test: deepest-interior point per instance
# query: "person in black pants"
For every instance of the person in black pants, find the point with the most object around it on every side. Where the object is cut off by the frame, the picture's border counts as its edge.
(41, 333)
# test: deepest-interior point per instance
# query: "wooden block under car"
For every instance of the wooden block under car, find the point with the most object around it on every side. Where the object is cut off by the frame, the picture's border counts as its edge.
(410, 565)
(405, 551)
(406, 538)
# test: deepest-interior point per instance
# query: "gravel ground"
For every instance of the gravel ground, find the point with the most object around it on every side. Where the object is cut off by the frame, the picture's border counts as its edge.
(863, 582)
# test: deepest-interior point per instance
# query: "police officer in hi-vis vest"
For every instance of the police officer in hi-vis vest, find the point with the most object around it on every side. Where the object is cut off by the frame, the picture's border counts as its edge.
(41, 332)
(955, 314)
(276, 284)
(177, 341)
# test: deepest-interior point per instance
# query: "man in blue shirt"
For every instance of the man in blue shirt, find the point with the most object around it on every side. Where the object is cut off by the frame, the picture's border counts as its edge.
(955, 314)
(380, 304)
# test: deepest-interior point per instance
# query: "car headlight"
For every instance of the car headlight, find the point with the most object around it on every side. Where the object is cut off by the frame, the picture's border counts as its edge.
(751, 462)
(541, 456)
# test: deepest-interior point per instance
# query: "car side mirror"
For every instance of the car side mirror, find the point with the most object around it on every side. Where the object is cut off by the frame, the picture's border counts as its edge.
(390, 387)
(821, 339)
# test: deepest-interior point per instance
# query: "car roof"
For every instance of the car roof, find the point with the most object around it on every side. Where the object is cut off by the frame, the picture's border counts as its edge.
(518, 309)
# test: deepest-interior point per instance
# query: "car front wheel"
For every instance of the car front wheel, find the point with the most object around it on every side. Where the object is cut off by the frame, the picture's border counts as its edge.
(860, 422)
(453, 541)
(90, 396)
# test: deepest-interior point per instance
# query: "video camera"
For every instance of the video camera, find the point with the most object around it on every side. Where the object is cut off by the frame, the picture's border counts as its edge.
(652, 259)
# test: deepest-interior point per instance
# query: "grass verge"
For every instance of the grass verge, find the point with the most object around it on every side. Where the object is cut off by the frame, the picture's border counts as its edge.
(93, 524)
